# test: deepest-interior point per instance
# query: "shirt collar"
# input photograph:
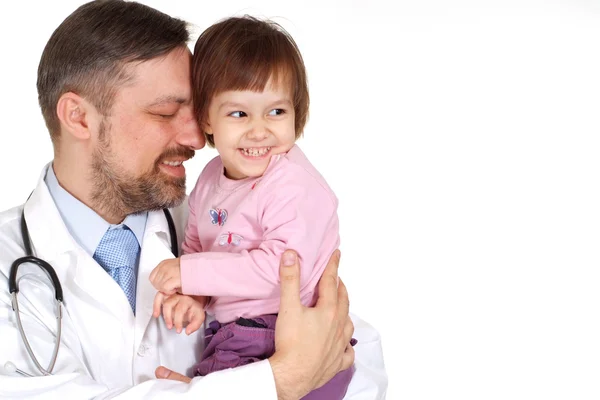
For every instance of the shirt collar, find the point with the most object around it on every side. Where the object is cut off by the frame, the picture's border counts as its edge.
(87, 227)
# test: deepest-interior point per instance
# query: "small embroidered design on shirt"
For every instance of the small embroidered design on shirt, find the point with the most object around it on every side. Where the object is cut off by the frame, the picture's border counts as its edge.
(218, 216)
(229, 238)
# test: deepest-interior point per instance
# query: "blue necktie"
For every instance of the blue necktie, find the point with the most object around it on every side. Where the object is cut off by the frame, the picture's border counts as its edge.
(118, 254)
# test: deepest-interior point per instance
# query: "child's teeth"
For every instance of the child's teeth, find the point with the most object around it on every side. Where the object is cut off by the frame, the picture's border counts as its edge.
(256, 152)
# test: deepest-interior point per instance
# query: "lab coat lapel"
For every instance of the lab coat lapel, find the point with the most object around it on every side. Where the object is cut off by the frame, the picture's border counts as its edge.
(92, 299)
(155, 248)
(52, 242)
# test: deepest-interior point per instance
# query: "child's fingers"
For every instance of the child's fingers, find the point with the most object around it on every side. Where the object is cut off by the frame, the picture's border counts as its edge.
(158, 301)
(196, 320)
(179, 314)
(167, 310)
(152, 275)
(170, 286)
(156, 273)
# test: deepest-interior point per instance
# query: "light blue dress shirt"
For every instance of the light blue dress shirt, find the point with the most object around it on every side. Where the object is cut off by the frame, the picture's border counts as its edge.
(84, 225)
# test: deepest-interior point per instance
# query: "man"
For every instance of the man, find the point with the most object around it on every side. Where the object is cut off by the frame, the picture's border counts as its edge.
(114, 89)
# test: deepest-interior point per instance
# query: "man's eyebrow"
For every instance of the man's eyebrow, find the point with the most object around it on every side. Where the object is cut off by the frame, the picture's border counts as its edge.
(168, 99)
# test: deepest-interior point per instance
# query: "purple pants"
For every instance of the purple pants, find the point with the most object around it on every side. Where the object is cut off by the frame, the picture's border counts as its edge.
(232, 345)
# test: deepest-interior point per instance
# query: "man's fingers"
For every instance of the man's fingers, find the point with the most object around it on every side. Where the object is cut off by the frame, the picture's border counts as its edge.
(332, 265)
(165, 373)
(328, 284)
(348, 329)
(289, 274)
(348, 357)
(342, 299)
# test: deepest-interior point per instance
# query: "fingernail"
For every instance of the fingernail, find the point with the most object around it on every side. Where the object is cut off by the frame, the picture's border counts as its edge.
(289, 258)
(162, 373)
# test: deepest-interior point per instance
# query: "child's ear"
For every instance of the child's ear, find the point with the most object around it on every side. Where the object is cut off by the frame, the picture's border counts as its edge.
(207, 129)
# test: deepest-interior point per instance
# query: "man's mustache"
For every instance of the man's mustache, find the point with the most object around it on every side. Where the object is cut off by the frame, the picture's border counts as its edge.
(180, 152)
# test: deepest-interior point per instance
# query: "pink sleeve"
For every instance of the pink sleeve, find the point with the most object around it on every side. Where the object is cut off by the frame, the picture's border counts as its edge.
(191, 243)
(299, 215)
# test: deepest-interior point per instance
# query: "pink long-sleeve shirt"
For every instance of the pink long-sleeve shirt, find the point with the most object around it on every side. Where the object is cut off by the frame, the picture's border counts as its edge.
(238, 230)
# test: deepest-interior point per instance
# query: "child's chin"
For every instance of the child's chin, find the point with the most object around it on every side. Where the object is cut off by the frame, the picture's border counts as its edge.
(255, 172)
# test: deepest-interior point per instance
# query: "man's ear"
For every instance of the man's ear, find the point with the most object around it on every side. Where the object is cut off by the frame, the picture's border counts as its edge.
(74, 112)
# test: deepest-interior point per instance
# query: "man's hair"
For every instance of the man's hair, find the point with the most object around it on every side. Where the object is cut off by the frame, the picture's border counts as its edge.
(244, 53)
(87, 54)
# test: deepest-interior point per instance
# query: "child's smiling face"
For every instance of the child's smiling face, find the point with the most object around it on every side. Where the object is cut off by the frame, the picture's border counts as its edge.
(249, 127)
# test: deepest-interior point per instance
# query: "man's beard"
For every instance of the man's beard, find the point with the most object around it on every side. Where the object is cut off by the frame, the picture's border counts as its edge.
(115, 192)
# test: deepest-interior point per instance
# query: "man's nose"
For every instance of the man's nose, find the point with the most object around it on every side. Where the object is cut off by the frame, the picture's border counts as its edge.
(191, 136)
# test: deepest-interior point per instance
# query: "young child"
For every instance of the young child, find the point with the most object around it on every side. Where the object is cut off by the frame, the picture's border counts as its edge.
(259, 197)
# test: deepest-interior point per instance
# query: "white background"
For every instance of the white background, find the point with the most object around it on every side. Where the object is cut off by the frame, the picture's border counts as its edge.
(462, 139)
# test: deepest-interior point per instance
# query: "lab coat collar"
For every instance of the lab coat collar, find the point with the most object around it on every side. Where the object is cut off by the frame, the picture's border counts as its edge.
(48, 233)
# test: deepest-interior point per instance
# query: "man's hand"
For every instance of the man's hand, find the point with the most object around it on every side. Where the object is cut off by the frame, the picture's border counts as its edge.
(313, 344)
(165, 373)
(179, 309)
(166, 277)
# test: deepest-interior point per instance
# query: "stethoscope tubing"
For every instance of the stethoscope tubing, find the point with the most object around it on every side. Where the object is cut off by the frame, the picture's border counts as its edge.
(13, 288)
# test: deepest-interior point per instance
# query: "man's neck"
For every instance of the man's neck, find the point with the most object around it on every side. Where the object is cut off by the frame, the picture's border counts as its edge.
(78, 183)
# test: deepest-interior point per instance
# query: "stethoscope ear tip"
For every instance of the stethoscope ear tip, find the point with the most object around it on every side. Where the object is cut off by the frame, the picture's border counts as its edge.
(10, 367)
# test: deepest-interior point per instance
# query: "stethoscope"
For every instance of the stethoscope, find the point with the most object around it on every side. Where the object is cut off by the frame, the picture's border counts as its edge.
(58, 294)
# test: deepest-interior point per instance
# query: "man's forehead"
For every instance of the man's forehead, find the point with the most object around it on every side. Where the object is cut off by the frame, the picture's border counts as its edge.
(163, 80)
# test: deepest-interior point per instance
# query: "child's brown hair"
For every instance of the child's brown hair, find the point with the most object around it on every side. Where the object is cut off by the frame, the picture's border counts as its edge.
(245, 53)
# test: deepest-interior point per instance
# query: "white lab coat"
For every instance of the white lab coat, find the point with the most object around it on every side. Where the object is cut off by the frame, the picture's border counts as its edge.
(105, 351)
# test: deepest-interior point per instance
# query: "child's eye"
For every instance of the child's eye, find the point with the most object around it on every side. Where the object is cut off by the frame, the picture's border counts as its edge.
(238, 114)
(277, 111)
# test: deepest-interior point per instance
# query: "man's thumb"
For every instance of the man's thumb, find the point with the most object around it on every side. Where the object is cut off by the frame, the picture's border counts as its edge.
(289, 274)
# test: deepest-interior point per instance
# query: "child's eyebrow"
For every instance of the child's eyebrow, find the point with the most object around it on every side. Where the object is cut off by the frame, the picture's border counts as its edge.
(281, 101)
(230, 104)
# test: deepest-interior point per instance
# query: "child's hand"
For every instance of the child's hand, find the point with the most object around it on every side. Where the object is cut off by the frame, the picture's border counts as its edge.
(166, 277)
(179, 309)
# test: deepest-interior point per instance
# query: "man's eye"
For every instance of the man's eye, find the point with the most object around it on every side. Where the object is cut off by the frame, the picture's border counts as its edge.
(277, 111)
(164, 115)
(238, 114)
